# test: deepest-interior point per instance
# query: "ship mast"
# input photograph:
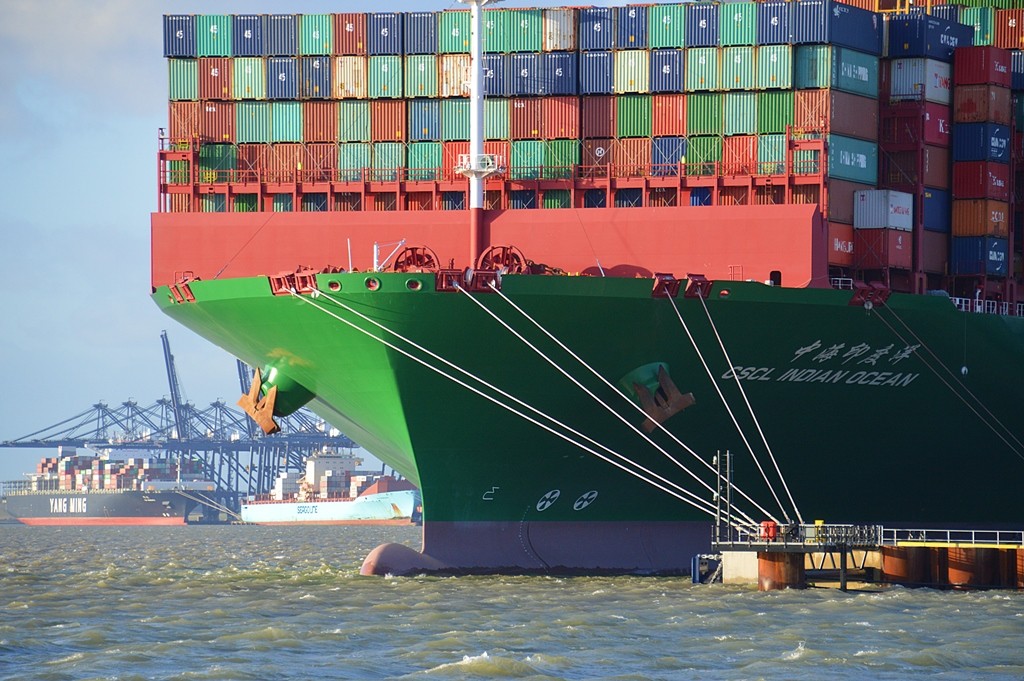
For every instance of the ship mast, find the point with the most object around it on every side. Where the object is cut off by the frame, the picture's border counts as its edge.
(477, 165)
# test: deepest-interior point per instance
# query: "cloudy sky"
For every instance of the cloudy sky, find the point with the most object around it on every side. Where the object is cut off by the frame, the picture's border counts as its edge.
(85, 90)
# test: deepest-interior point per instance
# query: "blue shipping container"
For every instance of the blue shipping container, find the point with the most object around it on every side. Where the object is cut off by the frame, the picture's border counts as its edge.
(247, 35)
(773, 23)
(667, 70)
(700, 196)
(559, 73)
(453, 200)
(525, 74)
(179, 35)
(596, 76)
(495, 75)
(282, 78)
(1017, 69)
(828, 21)
(597, 28)
(522, 199)
(420, 33)
(666, 155)
(948, 12)
(424, 120)
(981, 142)
(631, 28)
(935, 210)
(701, 25)
(979, 255)
(316, 78)
(281, 35)
(384, 33)
(920, 35)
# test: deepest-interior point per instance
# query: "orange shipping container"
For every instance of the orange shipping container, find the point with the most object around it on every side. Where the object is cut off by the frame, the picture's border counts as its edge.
(184, 121)
(282, 161)
(668, 116)
(839, 199)
(633, 157)
(320, 162)
(980, 217)
(524, 118)
(981, 103)
(217, 121)
(215, 78)
(387, 118)
(836, 112)
(1009, 29)
(450, 152)
(350, 33)
(320, 121)
(739, 155)
(560, 117)
(599, 117)
(840, 244)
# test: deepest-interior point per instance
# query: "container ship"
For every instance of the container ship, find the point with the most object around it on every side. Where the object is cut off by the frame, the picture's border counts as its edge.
(332, 491)
(75, 489)
(641, 237)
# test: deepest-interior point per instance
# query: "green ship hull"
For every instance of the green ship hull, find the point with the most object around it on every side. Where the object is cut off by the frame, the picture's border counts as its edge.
(902, 410)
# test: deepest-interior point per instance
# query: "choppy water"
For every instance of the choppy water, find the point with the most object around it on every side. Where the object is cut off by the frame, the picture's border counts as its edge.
(245, 602)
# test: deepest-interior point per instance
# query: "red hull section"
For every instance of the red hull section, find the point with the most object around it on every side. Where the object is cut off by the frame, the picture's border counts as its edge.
(72, 522)
(721, 242)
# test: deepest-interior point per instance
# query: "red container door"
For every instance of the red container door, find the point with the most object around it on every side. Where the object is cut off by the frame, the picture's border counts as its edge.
(450, 152)
(981, 180)
(599, 117)
(250, 162)
(739, 155)
(981, 103)
(524, 118)
(217, 121)
(320, 121)
(387, 120)
(215, 78)
(633, 157)
(320, 163)
(836, 112)
(598, 153)
(560, 118)
(282, 162)
(982, 65)
(350, 34)
(184, 121)
(934, 251)
(669, 116)
(876, 249)
(1009, 29)
(840, 244)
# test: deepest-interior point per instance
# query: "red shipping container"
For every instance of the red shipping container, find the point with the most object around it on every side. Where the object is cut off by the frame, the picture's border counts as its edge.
(282, 162)
(836, 112)
(184, 122)
(599, 152)
(879, 249)
(632, 157)
(560, 118)
(739, 155)
(839, 199)
(387, 120)
(217, 121)
(250, 161)
(934, 251)
(599, 117)
(215, 78)
(916, 123)
(450, 152)
(321, 160)
(840, 244)
(982, 65)
(981, 180)
(910, 170)
(320, 121)
(981, 103)
(350, 34)
(668, 115)
(1009, 29)
(524, 118)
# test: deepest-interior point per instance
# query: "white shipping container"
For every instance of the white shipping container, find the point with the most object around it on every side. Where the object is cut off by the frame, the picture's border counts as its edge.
(883, 209)
(350, 78)
(920, 79)
(559, 29)
(455, 74)
(632, 71)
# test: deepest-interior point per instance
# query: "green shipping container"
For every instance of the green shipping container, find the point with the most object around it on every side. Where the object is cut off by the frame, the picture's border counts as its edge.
(775, 111)
(665, 26)
(738, 68)
(216, 162)
(354, 121)
(424, 160)
(740, 113)
(453, 32)
(183, 79)
(388, 161)
(246, 203)
(826, 66)
(848, 159)
(353, 159)
(286, 121)
(737, 23)
(704, 114)
(771, 154)
(560, 159)
(455, 120)
(178, 173)
(250, 81)
(702, 72)
(633, 116)
(213, 35)
(526, 30)
(527, 159)
(316, 34)
(983, 20)
(703, 153)
(496, 119)
(557, 198)
(282, 203)
(385, 77)
(213, 203)
(496, 31)
(774, 67)
(252, 122)
(421, 75)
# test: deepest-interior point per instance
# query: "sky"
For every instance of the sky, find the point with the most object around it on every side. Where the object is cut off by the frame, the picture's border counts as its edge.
(85, 91)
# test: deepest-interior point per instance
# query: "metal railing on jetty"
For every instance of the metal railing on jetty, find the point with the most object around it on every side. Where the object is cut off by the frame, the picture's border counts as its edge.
(812, 538)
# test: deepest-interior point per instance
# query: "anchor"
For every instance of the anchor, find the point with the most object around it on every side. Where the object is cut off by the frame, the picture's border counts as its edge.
(260, 409)
(663, 403)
